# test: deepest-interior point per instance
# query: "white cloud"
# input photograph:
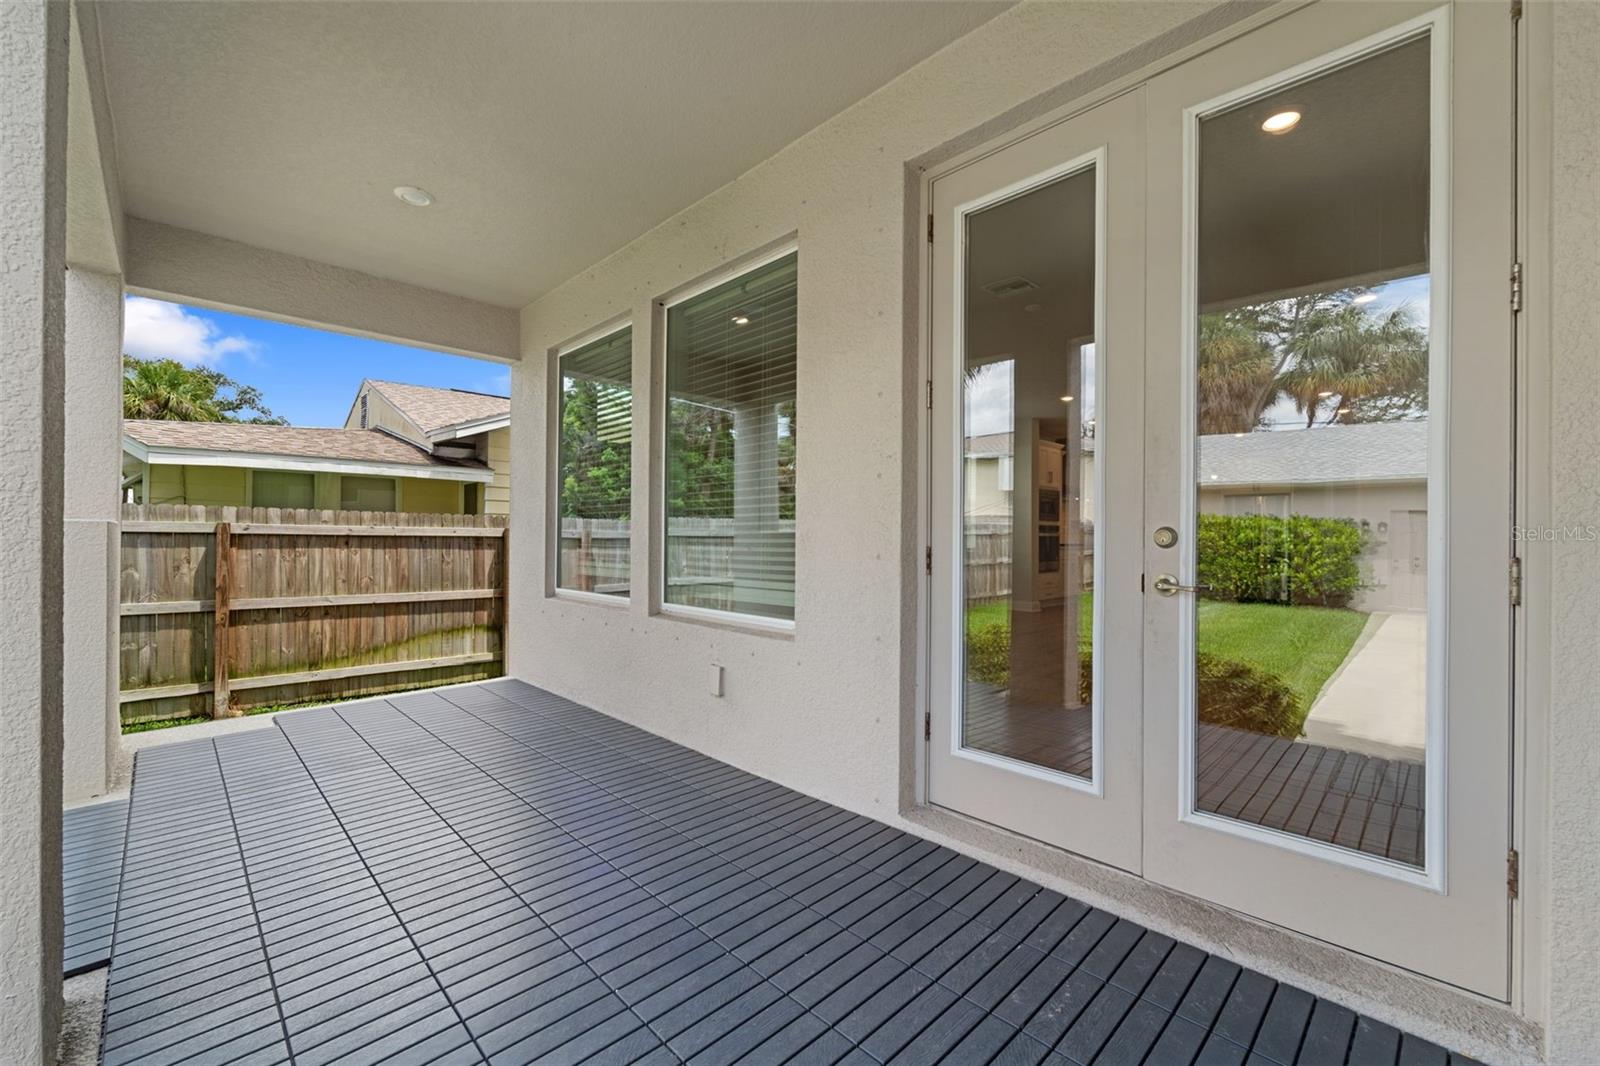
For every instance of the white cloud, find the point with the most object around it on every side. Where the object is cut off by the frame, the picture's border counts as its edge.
(155, 329)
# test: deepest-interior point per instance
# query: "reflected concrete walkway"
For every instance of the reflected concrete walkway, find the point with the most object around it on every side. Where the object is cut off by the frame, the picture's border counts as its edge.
(1376, 702)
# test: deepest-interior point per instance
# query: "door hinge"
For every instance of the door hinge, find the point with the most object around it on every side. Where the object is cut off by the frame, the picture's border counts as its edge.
(1516, 10)
(927, 725)
(930, 227)
(1516, 287)
(1515, 581)
(1513, 873)
(930, 394)
(927, 560)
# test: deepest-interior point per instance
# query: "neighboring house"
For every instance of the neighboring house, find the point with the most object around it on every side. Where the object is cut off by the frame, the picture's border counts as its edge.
(402, 448)
(242, 465)
(1374, 474)
(450, 423)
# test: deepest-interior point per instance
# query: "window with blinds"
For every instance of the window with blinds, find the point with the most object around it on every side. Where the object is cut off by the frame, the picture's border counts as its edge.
(730, 448)
(596, 473)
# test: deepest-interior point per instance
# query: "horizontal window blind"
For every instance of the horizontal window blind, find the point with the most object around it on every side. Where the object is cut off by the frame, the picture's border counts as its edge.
(283, 488)
(732, 424)
(596, 471)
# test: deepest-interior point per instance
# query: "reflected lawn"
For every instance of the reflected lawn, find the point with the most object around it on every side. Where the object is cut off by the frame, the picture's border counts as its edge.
(1301, 645)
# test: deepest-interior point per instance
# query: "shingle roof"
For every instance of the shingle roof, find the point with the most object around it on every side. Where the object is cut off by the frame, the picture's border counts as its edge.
(357, 445)
(1371, 451)
(435, 409)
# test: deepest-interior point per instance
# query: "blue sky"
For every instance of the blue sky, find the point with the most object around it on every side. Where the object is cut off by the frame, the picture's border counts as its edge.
(307, 375)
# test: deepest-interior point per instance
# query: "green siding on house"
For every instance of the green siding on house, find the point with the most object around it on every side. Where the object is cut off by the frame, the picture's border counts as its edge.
(207, 486)
(225, 486)
(423, 496)
(497, 495)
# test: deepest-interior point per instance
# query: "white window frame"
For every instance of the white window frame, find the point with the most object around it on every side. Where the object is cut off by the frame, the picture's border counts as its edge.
(553, 525)
(736, 619)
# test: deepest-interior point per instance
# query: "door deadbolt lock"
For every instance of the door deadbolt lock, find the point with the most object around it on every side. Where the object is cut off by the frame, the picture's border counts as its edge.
(1165, 537)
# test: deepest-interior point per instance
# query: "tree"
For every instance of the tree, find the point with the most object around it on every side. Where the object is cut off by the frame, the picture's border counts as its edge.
(167, 390)
(596, 454)
(1361, 369)
(1326, 353)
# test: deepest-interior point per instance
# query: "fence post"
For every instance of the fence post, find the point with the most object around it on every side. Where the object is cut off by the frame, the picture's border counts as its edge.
(222, 557)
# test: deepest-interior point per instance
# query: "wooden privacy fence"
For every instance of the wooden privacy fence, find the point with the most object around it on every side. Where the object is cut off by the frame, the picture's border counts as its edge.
(226, 609)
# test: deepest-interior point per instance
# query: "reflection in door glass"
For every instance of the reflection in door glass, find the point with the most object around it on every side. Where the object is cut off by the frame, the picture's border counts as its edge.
(1027, 477)
(1312, 395)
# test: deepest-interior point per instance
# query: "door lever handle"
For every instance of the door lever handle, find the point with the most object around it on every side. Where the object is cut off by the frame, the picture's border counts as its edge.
(1168, 585)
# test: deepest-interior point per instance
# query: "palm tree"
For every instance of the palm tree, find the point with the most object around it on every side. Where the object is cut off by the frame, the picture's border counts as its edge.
(1358, 368)
(165, 389)
(1234, 376)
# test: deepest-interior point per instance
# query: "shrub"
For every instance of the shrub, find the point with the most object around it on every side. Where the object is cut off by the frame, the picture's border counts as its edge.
(1231, 693)
(1241, 696)
(989, 654)
(1266, 559)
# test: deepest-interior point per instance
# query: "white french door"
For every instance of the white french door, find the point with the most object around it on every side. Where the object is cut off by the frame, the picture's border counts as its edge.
(1038, 356)
(1253, 642)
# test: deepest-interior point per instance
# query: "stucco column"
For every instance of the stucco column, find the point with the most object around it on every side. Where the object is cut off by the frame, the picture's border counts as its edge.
(33, 134)
(1574, 782)
(92, 729)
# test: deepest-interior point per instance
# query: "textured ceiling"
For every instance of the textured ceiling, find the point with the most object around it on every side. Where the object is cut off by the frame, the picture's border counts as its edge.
(550, 134)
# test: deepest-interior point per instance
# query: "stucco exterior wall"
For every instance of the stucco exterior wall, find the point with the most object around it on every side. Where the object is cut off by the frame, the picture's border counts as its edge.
(33, 141)
(1573, 796)
(92, 521)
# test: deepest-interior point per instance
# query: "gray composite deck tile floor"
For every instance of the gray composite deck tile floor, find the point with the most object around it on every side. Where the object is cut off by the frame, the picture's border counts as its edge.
(91, 868)
(1362, 802)
(493, 873)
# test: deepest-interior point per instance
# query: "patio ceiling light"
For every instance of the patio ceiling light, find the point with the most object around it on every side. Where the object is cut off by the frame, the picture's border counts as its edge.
(741, 319)
(410, 194)
(1066, 399)
(1281, 121)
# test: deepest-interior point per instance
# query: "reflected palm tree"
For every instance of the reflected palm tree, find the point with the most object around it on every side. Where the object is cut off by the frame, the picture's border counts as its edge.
(1360, 368)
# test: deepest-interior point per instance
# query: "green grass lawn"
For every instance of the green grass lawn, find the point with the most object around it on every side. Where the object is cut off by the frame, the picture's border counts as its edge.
(1301, 645)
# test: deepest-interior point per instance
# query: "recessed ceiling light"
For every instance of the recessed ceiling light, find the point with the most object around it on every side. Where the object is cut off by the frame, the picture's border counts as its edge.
(1066, 399)
(741, 319)
(1323, 395)
(1365, 298)
(410, 194)
(1281, 121)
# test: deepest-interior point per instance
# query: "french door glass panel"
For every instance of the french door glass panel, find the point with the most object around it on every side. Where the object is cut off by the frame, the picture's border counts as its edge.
(1038, 298)
(1313, 419)
(1028, 453)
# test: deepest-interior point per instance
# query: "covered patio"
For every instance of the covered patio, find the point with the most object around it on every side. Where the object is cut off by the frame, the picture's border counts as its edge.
(700, 818)
(493, 873)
